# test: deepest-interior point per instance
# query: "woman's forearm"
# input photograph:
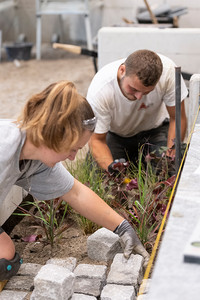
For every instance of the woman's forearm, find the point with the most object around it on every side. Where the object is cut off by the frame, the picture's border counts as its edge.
(91, 206)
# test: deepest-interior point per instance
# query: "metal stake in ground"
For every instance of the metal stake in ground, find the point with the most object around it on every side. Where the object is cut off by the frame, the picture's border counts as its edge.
(178, 117)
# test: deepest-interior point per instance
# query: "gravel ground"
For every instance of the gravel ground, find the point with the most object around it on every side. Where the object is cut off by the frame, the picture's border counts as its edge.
(21, 79)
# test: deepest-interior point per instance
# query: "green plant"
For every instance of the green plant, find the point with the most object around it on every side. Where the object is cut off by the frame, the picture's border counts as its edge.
(88, 173)
(92, 176)
(141, 193)
(87, 226)
(49, 215)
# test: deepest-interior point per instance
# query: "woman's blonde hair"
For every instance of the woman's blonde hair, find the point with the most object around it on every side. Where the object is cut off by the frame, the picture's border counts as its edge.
(55, 117)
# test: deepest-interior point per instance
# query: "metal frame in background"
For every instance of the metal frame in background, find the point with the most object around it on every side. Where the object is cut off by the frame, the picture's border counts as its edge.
(4, 5)
(61, 8)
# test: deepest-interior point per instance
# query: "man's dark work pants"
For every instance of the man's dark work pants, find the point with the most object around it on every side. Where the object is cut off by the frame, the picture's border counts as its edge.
(128, 147)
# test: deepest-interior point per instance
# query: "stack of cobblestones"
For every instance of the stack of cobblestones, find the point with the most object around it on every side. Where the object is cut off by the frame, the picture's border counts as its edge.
(63, 279)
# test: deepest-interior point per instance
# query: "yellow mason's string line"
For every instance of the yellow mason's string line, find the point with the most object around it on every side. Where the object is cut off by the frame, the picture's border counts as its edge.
(149, 266)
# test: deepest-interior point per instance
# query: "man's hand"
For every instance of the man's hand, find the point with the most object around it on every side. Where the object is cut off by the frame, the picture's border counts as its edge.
(131, 241)
(117, 166)
(171, 152)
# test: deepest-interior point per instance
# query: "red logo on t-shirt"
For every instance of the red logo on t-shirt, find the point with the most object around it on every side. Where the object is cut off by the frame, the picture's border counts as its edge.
(143, 106)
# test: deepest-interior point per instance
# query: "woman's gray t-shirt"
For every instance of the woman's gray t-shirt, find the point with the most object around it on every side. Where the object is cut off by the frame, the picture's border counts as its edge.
(41, 181)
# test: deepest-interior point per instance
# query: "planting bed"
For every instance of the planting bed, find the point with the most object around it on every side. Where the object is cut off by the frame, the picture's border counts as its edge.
(73, 243)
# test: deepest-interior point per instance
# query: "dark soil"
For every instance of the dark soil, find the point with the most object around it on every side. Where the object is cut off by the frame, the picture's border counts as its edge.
(72, 243)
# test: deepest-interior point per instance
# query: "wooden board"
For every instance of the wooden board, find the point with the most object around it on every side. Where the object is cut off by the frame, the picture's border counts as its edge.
(2, 284)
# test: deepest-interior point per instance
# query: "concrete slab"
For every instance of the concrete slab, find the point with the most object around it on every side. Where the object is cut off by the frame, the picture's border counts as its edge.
(180, 44)
(173, 278)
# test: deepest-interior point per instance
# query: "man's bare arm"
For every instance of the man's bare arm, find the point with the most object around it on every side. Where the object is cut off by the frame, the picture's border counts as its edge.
(100, 151)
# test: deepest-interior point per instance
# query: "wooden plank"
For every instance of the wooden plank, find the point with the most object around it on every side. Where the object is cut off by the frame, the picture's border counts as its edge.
(2, 284)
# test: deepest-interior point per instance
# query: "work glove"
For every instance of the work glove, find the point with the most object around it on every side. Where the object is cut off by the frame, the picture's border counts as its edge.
(117, 166)
(131, 242)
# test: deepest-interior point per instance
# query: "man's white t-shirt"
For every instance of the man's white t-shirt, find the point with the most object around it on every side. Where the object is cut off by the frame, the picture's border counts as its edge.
(126, 118)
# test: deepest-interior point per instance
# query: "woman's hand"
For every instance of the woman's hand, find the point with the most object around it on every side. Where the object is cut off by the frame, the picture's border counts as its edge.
(131, 241)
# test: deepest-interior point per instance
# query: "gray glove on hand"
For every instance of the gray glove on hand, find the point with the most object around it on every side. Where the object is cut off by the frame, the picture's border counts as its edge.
(131, 241)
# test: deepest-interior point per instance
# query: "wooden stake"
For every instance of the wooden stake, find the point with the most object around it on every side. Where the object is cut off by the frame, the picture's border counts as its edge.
(153, 18)
(2, 284)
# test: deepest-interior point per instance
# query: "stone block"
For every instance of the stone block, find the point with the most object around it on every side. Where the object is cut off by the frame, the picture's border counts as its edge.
(53, 282)
(118, 292)
(82, 297)
(126, 272)
(103, 245)
(145, 285)
(7, 295)
(69, 262)
(20, 283)
(89, 279)
(29, 269)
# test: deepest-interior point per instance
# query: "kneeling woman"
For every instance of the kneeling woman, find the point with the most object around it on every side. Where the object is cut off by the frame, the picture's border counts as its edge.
(54, 125)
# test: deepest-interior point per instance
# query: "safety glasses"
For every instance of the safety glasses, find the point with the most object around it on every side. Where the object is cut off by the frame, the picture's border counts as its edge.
(90, 124)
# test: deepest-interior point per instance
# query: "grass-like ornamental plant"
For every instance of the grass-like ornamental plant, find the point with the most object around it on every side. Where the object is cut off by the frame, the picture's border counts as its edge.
(139, 192)
(147, 195)
(49, 215)
(92, 176)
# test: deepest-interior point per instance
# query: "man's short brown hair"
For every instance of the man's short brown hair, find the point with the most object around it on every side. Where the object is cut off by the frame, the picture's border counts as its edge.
(146, 65)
